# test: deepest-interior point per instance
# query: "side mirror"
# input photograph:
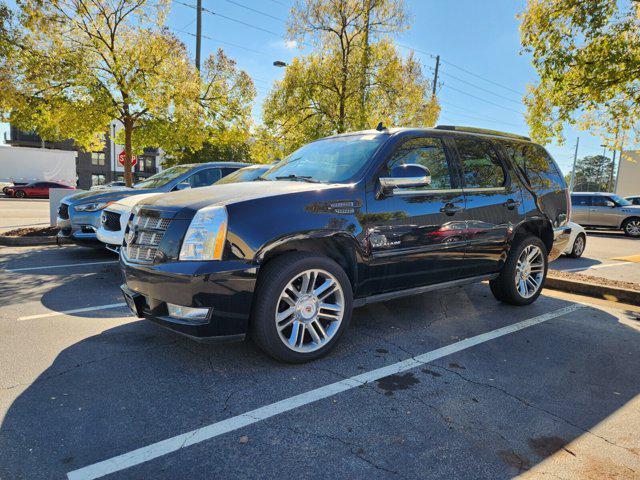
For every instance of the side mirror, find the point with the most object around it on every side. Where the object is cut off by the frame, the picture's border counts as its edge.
(611, 204)
(182, 186)
(406, 176)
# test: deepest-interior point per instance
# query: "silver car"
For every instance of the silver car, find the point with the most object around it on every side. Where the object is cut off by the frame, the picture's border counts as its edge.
(605, 210)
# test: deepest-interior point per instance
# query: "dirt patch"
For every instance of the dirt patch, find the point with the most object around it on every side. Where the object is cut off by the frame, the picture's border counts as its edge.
(397, 382)
(33, 232)
(431, 372)
(577, 277)
(515, 460)
(545, 446)
(457, 365)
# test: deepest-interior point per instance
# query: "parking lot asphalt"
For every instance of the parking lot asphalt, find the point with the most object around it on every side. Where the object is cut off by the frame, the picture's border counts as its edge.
(608, 254)
(449, 384)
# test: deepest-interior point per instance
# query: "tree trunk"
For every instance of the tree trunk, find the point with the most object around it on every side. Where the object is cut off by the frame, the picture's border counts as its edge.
(365, 66)
(128, 130)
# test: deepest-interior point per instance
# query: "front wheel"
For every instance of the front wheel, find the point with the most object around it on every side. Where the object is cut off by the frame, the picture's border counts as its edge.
(20, 194)
(632, 227)
(521, 279)
(302, 307)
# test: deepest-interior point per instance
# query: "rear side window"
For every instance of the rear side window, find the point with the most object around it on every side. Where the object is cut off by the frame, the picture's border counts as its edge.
(204, 178)
(580, 200)
(535, 164)
(480, 163)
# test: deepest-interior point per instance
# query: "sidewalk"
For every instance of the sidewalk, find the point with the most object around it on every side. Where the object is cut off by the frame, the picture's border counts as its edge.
(17, 213)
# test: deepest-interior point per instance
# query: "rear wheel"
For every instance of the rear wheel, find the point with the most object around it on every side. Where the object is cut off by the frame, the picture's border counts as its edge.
(20, 194)
(521, 279)
(579, 245)
(631, 227)
(302, 306)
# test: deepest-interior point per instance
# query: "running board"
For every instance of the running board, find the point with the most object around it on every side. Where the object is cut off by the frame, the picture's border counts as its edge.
(383, 297)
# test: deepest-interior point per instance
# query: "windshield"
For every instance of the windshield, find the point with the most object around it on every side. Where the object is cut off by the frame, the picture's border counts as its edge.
(621, 201)
(164, 177)
(330, 160)
(243, 175)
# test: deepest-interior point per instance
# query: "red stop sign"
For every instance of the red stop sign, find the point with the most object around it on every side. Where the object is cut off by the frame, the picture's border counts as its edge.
(122, 156)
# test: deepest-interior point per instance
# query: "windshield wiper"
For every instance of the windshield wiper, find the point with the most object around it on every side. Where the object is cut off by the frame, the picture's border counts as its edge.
(304, 178)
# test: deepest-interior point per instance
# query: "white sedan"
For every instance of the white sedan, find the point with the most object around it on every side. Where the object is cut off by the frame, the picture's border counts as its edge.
(114, 220)
(577, 242)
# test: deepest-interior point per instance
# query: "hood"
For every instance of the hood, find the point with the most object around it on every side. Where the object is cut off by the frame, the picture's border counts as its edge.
(106, 195)
(130, 201)
(231, 193)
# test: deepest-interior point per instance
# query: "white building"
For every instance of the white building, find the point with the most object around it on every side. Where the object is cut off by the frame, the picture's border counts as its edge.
(628, 179)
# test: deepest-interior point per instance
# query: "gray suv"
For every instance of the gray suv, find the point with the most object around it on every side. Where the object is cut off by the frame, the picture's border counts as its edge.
(605, 210)
(79, 215)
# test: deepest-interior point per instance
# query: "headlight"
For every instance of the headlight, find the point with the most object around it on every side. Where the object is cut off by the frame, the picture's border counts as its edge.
(91, 207)
(206, 235)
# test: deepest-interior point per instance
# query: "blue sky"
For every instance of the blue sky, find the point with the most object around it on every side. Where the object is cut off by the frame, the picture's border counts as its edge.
(482, 71)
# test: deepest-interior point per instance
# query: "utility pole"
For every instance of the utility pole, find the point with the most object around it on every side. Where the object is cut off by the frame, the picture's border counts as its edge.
(198, 32)
(435, 76)
(572, 182)
(615, 188)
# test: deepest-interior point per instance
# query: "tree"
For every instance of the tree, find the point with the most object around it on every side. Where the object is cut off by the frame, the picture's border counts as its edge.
(69, 67)
(587, 54)
(353, 78)
(592, 174)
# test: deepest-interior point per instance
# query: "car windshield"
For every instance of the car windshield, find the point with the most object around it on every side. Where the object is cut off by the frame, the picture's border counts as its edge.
(164, 177)
(330, 160)
(621, 201)
(243, 175)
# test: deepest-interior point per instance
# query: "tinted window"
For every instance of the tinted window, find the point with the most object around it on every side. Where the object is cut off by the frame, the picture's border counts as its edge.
(580, 200)
(480, 163)
(204, 178)
(600, 201)
(428, 152)
(535, 164)
(243, 175)
(164, 177)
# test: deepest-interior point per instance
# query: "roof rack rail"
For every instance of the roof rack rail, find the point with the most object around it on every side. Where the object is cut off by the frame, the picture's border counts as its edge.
(485, 131)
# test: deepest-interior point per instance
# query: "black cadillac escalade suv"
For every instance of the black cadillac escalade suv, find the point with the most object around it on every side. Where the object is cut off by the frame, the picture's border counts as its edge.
(341, 222)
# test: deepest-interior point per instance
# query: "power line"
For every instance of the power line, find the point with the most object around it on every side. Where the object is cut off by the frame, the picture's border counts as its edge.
(481, 77)
(246, 7)
(477, 117)
(483, 100)
(481, 88)
(257, 52)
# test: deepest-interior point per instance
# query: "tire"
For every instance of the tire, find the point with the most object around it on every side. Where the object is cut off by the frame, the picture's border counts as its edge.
(631, 227)
(579, 244)
(504, 287)
(278, 292)
(20, 194)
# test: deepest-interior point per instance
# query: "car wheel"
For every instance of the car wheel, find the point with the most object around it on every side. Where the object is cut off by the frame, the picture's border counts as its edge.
(20, 194)
(302, 306)
(522, 277)
(632, 227)
(579, 245)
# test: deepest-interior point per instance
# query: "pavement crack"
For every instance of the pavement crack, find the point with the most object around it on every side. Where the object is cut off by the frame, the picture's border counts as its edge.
(534, 406)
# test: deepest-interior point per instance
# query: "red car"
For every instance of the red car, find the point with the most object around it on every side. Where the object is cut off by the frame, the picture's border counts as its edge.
(35, 189)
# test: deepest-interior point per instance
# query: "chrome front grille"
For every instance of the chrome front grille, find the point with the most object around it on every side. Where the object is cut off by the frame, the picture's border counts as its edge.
(142, 245)
(111, 221)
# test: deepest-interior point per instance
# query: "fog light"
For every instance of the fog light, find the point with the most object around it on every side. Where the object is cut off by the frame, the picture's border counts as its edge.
(187, 313)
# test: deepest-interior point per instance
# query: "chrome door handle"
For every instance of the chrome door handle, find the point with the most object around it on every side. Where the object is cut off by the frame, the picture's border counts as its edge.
(451, 209)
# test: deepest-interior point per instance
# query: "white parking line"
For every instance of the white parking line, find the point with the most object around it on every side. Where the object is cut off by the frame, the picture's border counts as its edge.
(77, 310)
(178, 442)
(602, 265)
(68, 265)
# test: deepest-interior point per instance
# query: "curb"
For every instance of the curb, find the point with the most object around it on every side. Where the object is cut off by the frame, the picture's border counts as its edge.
(613, 294)
(31, 241)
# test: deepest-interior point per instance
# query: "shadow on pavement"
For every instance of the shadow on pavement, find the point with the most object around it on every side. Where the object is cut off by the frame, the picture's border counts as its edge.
(134, 385)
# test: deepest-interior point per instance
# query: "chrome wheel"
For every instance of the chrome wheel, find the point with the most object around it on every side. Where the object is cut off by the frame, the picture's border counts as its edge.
(309, 311)
(529, 271)
(578, 246)
(633, 228)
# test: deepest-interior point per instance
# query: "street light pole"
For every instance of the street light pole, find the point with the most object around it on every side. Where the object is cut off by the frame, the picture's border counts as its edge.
(573, 169)
(198, 32)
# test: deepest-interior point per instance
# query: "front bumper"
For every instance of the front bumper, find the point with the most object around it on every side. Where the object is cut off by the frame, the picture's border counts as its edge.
(81, 227)
(561, 237)
(226, 288)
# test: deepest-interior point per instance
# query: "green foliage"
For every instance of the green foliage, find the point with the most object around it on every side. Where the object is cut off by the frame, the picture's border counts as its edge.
(587, 54)
(69, 67)
(353, 79)
(593, 174)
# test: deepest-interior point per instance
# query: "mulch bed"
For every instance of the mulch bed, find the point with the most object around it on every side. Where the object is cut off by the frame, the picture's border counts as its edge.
(33, 232)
